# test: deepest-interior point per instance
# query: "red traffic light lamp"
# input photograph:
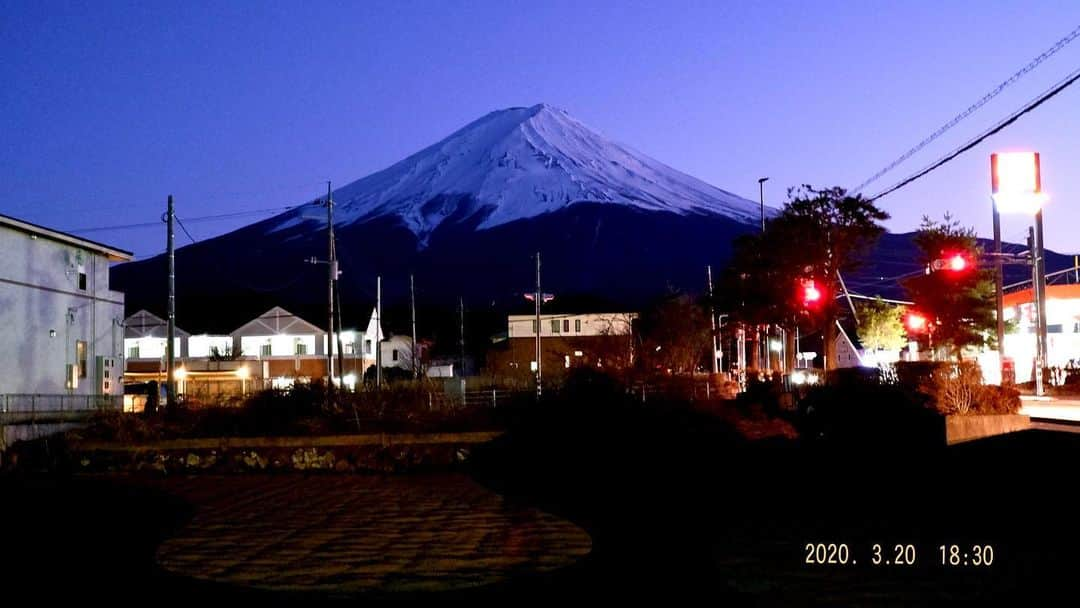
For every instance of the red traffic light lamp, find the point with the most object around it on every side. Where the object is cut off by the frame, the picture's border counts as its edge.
(953, 262)
(811, 294)
(916, 322)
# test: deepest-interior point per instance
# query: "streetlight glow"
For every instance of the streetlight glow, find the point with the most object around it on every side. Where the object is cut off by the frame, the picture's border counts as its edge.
(1016, 178)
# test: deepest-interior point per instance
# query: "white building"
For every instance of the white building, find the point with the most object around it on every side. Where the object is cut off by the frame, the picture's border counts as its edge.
(599, 339)
(275, 349)
(397, 351)
(571, 325)
(1062, 328)
(145, 338)
(60, 324)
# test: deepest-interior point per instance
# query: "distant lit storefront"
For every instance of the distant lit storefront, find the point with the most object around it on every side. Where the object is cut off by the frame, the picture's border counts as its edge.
(1062, 329)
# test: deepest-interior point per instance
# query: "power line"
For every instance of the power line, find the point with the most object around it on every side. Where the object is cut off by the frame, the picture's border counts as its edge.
(1061, 86)
(204, 218)
(1060, 44)
(184, 228)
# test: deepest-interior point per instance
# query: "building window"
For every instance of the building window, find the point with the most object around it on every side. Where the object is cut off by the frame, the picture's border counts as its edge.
(555, 326)
(80, 357)
(82, 280)
(1076, 327)
(349, 348)
(534, 327)
(367, 347)
(133, 352)
(577, 326)
(1053, 329)
(394, 355)
(301, 348)
(264, 350)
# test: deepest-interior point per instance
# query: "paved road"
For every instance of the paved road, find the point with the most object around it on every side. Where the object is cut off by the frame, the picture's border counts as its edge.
(673, 517)
(1055, 408)
(345, 533)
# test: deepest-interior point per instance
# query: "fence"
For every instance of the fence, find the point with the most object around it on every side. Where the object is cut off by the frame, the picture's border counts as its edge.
(475, 399)
(29, 407)
(696, 390)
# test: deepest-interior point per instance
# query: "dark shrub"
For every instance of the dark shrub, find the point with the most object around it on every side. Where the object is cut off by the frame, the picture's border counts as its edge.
(853, 376)
(915, 375)
(389, 374)
(585, 384)
(869, 416)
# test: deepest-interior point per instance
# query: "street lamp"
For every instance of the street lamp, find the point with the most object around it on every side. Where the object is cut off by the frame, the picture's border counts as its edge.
(243, 373)
(1016, 181)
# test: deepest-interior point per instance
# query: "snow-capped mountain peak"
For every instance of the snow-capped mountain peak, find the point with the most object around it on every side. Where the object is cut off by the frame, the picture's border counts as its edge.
(519, 163)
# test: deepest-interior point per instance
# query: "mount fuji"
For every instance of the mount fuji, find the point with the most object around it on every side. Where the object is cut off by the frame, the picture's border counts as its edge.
(466, 216)
(517, 164)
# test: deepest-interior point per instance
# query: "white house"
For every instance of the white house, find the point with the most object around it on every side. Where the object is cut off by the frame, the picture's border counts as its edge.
(209, 345)
(397, 351)
(145, 337)
(598, 339)
(60, 324)
(275, 349)
(571, 325)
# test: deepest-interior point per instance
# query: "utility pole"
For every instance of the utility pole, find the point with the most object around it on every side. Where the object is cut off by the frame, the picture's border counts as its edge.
(761, 194)
(539, 299)
(378, 332)
(999, 290)
(170, 335)
(461, 329)
(762, 345)
(412, 303)
(712, 321)
(332, 276)
(340, 348)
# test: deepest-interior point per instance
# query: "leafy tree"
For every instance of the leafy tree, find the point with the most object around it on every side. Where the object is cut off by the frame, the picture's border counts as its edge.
(958, 304)
(880, 325)
(675, 334)
(817, 235)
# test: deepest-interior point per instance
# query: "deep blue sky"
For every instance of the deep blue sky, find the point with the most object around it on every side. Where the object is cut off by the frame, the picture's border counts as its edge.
(105, 108)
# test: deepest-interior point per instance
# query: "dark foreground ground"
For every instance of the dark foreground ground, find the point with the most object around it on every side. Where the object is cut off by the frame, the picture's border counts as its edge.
(677, 509)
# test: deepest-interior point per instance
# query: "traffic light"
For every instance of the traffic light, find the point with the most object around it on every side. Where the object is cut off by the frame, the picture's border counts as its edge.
(810, 293)
(953, 262)
(915, 322)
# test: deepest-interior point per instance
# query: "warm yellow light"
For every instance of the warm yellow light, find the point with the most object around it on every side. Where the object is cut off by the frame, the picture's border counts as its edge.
(179, 373)
(243, 372)
(1017, 182)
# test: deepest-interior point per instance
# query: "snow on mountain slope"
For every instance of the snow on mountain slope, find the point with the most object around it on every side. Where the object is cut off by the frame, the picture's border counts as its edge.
(520, 163)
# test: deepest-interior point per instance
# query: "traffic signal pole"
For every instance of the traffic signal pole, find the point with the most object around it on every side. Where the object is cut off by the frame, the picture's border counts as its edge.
(999, 291)
(1040, 289)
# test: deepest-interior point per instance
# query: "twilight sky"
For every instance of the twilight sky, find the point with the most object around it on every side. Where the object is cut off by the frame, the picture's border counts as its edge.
(107, 107)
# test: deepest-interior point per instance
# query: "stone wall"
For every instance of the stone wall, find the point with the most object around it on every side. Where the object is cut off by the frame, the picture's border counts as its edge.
(968, 427)
(341, 454)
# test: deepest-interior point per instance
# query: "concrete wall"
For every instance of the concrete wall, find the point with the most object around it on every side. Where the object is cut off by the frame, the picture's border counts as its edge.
(39, 284)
